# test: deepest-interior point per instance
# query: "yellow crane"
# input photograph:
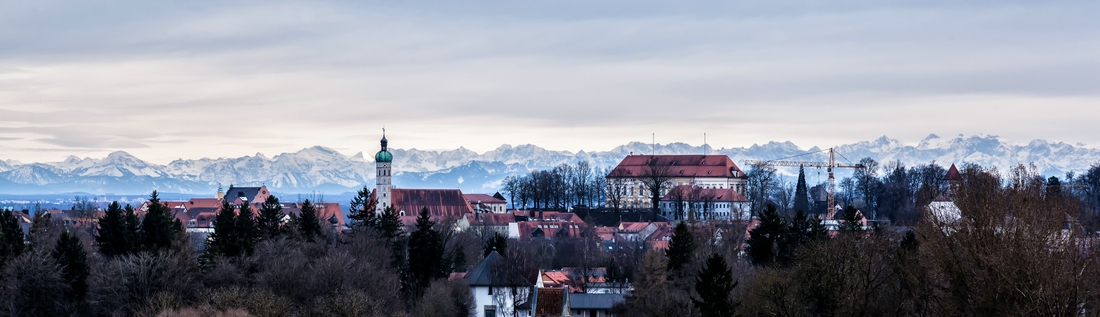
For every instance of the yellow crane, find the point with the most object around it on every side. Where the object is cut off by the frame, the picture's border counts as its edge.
(829, 166)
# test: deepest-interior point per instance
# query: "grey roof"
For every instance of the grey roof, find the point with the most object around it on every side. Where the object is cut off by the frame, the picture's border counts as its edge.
(594, 301)
(248, 192)
(481, 274)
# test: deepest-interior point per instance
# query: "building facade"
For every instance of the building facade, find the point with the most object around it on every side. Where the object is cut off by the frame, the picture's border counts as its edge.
(705, 171)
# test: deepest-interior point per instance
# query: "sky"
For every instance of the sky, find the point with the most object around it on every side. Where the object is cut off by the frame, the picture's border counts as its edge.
(193, 79)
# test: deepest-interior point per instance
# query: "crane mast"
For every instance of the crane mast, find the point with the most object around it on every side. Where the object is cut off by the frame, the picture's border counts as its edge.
(829, 166)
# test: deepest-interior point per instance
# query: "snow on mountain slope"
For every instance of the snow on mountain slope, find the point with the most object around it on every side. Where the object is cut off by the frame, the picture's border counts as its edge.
(321, 168)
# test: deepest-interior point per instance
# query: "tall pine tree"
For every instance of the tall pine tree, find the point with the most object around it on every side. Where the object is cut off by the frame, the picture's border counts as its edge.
(70, 255)
(223, 241)
(112, 236)
(309, 225)
(246, 229)
(498, 242)
(13, 242)
(160, 228)
(271, 215)
(801, 196)
(853, 220)
(801, 230)
(131, 229)
(389, 224)
(681, 248)
(426, 260)
(764, 240)
(713, 286)
(389, 229)
(362, 209)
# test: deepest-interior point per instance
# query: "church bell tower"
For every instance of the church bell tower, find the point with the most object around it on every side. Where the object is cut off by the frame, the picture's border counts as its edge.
(382, 162)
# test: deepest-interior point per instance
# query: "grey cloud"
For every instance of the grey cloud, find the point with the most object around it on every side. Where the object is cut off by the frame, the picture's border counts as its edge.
(236, 77)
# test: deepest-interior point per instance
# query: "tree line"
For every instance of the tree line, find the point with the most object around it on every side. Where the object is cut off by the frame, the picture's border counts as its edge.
(559, 188)
(1017, 247)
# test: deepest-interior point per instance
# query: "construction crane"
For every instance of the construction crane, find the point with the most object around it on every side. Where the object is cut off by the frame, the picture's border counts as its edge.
(829, 166)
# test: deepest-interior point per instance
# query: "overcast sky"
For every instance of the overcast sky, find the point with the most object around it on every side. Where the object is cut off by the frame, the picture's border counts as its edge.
(214, 79)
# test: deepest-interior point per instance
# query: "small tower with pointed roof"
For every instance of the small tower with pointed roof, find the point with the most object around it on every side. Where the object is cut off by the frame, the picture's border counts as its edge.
(382, 162)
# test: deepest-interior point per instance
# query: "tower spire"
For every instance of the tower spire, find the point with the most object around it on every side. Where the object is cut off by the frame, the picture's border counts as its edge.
(383, 167)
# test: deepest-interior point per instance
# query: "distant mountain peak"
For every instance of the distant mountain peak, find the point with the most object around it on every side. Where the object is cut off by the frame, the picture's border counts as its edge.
(320, 168)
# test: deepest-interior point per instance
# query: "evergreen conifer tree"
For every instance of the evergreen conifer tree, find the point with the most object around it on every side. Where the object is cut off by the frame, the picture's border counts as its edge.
(111, 236)
(40, 223)
(70, 255)
(389, 224)
(426, 260)
(764, 240)
(159, 228)
(457, 259)
(681, 248)
(245, 228)
(223, 239)
(362, 209)
(309, 225)
(131, 229)
(271, 215)
(801, 230)
(714, 285)
(13, 242)
(498, 243)
(853, 221)
(389, 229)
(801, 195)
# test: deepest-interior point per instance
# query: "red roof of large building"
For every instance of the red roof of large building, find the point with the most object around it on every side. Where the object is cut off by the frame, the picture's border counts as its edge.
(605, 233)
(204, 203)
(678, 166)
(632, 227)
(441, 203)
(483, 198)
(490, 219)
(549, 229)
(696, 193)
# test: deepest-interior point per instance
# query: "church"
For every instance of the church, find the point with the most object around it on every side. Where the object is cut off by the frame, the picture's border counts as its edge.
(441, 203)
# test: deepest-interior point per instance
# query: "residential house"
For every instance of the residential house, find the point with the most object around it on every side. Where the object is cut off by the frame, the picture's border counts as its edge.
(488, 223)
(594, 305)
(546, 224)
(483, 203)
(497, 290)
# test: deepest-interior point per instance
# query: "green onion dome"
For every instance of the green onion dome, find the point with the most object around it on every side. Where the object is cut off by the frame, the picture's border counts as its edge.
(383, 157)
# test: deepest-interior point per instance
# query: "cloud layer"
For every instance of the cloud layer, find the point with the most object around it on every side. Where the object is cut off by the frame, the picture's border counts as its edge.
(165, 81)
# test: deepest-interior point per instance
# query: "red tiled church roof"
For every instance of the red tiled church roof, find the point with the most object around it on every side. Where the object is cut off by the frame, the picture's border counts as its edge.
(441, 203)
(679, 166)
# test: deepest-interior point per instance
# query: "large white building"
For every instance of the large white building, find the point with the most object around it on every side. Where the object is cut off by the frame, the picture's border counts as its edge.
(705, 171)
(685, 202)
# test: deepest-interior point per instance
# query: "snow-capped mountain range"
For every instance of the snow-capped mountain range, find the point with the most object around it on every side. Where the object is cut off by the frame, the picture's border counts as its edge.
(323, 170)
